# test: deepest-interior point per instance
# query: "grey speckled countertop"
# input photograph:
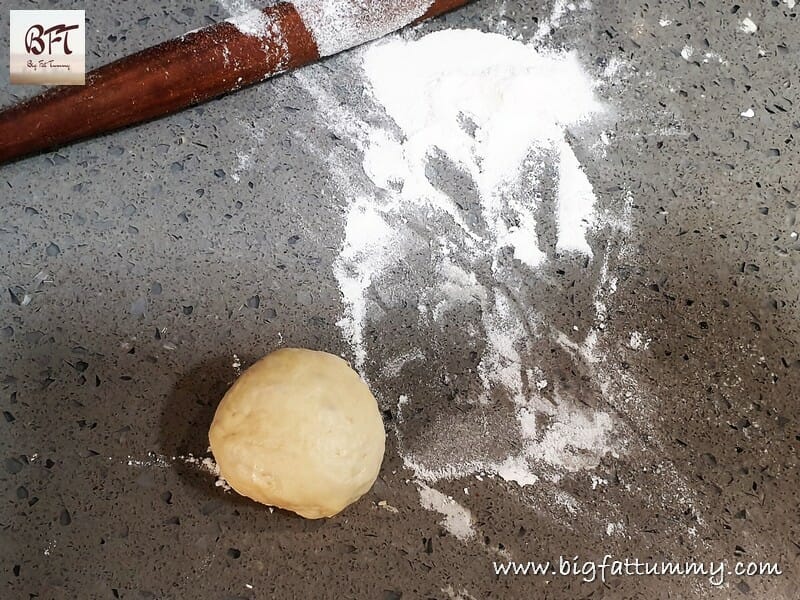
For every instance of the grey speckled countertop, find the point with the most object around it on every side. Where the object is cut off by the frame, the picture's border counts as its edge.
(134, 266)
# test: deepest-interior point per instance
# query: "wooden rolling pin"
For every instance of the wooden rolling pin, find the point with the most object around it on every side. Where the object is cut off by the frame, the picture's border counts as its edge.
(201, 65)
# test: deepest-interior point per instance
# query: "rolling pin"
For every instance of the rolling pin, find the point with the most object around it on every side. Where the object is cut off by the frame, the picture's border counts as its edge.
(201, 65)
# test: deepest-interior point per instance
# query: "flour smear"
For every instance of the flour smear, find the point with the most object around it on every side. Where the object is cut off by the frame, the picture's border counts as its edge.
(498, 111)
(457, 519)
(459, 162)
(335, 25)
(340, 24)
(253, 21)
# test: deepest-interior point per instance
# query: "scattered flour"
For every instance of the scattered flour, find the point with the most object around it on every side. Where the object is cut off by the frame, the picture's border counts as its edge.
(250, 19)
(244, 163)
(236, 8)
(253, 21)
(457, 519)
(513, 137)
(561, 8)
(615, 528)
(424, 98)
(341, 24)
(163, 462)
(457, 595)
(522, 103)
(395, 365)
(153, 460)
(638, 342)
(613, 70)
(209, 466)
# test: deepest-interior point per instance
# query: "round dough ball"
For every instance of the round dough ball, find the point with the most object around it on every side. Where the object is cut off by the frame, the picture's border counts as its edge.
(299, 430)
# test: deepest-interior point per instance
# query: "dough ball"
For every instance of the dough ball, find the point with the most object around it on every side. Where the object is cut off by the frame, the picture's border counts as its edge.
(299, 430)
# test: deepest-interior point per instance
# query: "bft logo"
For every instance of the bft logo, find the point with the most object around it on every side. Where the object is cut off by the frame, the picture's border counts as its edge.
(37, 35)
(48, 47)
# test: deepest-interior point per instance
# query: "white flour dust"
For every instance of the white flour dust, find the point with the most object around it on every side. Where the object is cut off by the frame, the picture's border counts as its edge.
(638, 342)
(499, 111)
(457, 519)
(208, 465)
(340, 24)
(558, 16)
(161, 461)
(237, 8)
(248, 18)
(251, 20)
(520, 103)
(335, 25)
